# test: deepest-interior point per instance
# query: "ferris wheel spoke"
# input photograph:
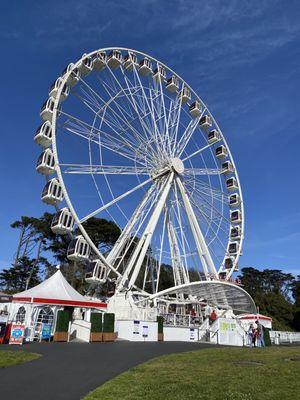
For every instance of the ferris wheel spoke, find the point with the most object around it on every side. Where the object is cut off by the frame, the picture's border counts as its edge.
(84, 130)
(147, 131)
(197, 152)
(202, 171)
(122, 196)
(107, 105)
(104, 169)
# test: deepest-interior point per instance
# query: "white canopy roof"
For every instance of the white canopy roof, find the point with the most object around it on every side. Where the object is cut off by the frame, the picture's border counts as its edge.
(220, 294)
(55, 290)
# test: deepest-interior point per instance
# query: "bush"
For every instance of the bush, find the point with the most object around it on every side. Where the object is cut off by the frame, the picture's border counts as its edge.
(62, 322)
(160, 324)
(109, 322)
(267, 339)
(96, 322)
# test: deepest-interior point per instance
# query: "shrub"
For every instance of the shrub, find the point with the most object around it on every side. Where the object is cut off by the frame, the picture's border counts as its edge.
(62, 322)
(160, 324)
(96, 322)
(109, 322)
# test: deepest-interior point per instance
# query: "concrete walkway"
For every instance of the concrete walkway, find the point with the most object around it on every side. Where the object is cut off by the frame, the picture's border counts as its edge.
(69, 371)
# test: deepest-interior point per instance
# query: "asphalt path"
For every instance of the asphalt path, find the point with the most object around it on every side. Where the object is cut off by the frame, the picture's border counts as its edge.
(69, 371)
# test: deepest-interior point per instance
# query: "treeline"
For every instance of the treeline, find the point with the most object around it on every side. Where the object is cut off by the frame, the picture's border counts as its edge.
(275, 292)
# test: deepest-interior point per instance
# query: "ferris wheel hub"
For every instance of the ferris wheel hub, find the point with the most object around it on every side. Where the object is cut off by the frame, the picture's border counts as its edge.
(177, 165)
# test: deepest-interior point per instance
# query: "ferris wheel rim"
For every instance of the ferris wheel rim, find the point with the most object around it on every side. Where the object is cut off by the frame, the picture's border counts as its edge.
(57, 163)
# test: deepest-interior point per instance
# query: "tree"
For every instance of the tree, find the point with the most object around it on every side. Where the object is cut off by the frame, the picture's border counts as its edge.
(14, 279)
(271, 290)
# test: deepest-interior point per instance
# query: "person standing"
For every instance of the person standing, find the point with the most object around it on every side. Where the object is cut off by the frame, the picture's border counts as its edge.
(250, 335)
(213, 317)
(260, 335)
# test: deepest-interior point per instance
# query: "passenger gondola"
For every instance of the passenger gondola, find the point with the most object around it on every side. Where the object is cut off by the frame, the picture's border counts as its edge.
(235, 233)
(233, 247)
(236, 216)
(195, 109)
(234, 200)
(54, 88)
(99, 60)
(172, 84)
(52, 192)
(184, 95)
(86, 65)
(63, 222)
(231, 184)
(43, 135)
(213, 136)
(114, 59)
(45, 163)
(130, 61)
(205, 122)
(221, 152)
(227, 167)
(145, 67)
(74, 75)
(159, 74)
(97, 272)
(78, 249)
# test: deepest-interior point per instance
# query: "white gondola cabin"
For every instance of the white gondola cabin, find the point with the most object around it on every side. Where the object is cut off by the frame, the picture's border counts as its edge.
(213, 136)
(172, 84)
(221, 152)
(236, 216)
(145, 67)
(234, 200)
(231, 184)
(97, 272)
(159, 74)
(47, 109)
(56, 86)
(78, 249)
(227, 167)
(52, 192)
(184, 95)
(222, 275)
(130, 60)
(86, 65)
(45, 164)
(205, 122)
(74, 76)
(114, 59)
(99, 60)
(233, 247)
(235, 233)
(63, 222)
(228, 262)
(43, 135)
(195, 109)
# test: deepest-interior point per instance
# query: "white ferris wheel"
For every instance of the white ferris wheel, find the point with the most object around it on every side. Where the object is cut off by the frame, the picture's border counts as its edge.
(126, 139)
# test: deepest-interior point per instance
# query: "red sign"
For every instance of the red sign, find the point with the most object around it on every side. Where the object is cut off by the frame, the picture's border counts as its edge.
(17, 334)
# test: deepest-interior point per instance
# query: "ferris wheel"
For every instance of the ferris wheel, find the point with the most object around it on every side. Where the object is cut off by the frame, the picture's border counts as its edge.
(127, 139)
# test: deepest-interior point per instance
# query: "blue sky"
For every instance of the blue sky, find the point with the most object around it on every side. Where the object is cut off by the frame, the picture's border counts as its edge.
(243, 59)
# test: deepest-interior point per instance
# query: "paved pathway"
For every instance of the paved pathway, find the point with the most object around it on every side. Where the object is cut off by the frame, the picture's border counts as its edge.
(69, 371)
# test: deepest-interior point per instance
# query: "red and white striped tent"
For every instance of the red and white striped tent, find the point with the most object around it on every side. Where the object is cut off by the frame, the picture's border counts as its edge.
(56, 291)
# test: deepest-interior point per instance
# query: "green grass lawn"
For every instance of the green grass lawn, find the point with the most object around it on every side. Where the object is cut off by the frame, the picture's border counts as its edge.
(8, 358)
(216, 373)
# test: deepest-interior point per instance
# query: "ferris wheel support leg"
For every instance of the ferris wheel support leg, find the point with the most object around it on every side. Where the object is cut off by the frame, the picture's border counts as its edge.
(122, 241)
(178, 269)
(144, 242)
(204, 254)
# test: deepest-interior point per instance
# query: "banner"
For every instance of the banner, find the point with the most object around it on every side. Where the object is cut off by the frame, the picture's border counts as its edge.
(17, 334)
(145, 331)
(136, 327)
(46, 332)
